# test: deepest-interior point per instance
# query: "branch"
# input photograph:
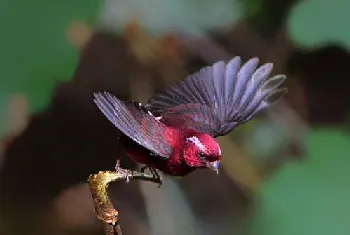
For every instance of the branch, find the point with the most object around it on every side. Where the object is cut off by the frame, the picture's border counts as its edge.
(103, 206)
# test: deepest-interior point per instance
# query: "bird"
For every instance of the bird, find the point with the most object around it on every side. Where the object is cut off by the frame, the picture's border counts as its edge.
(175, 131)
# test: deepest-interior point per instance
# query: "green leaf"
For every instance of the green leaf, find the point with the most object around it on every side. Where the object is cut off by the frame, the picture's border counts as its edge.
(313, 23)
(35, 53)
(309, 197)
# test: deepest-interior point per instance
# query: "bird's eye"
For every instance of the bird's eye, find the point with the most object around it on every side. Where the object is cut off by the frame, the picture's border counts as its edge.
(201, 155)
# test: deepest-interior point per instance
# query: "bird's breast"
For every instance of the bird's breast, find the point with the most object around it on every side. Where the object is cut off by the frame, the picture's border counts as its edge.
(175, 165)
(138, 153)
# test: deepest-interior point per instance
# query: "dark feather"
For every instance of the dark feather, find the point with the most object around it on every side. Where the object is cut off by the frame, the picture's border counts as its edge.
(135, 122)
(192, 116)
(227, 93)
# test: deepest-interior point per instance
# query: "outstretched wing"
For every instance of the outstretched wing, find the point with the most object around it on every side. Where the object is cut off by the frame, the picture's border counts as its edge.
(197, 117)
(135, 122)
(227, 95)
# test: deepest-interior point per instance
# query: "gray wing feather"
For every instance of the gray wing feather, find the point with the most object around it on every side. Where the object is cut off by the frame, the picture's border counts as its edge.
(135, 123)
(233, 93)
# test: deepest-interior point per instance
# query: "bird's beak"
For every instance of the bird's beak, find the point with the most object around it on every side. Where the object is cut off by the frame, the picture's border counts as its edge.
(214, 166)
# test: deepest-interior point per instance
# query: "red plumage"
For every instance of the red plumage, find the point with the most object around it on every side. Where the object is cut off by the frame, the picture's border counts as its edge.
(175, 131)
(183, 158)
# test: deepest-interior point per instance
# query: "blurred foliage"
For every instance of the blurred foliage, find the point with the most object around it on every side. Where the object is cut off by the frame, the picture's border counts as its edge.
(35, 53)
(267, 15)
(314, 23)
(192, 17)
(253, 7)
(309, 197)
(265, 139)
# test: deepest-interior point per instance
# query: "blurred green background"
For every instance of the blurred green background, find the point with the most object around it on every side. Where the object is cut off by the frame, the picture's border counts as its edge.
(36, 54)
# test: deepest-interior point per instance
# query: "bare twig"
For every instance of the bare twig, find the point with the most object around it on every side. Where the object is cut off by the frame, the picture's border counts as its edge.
(104, 209)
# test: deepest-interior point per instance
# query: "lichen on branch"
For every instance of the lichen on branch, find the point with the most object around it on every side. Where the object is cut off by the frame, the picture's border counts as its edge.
(103, 206)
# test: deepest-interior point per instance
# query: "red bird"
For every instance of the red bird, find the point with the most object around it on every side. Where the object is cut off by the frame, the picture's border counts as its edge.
(175, 131)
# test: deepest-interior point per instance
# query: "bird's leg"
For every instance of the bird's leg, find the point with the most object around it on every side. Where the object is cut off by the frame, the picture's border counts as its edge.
(143, 169)
(156, 175)
(118, 150)
(126, 173)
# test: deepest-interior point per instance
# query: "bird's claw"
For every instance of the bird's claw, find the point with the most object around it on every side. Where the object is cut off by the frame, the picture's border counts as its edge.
(124, 172)
(160, 183)
(154, 173)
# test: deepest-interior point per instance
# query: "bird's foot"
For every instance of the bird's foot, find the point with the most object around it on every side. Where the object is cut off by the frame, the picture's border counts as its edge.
(143, 169)
(154, 173)
(124, 172)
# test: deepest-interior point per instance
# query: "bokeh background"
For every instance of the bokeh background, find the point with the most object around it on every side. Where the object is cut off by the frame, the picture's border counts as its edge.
(284, 173)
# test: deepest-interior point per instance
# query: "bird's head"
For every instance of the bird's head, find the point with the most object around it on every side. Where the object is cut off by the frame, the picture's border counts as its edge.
(202, 151)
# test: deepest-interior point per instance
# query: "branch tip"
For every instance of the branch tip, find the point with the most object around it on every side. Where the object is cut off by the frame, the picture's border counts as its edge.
(103, 206)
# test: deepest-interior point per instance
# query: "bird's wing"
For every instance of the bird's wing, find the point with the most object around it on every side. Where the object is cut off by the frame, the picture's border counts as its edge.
(197, 117)
(136, 123)
(231, 92)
